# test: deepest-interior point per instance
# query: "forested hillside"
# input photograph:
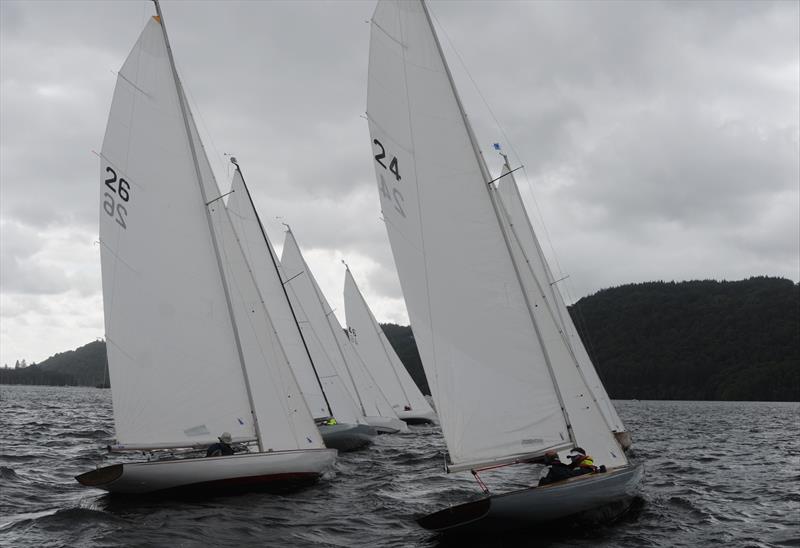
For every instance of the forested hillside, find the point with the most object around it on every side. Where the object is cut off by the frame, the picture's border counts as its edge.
(698, 340)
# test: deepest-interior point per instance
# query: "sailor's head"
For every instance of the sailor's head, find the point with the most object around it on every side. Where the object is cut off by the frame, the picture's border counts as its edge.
(550, 457)
(577, 453)
(225, 437)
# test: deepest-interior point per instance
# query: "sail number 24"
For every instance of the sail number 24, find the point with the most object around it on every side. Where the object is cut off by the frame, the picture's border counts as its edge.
(121, 189)
(394, 196)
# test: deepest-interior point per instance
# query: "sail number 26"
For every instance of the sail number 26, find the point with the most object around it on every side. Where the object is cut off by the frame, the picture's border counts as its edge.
(394, 196)
(120, 188)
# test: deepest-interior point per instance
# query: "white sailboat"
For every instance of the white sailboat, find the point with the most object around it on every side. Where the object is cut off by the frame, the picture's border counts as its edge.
(370, 401)
(389, 372)
(191, 349)
(521, 229)
(506, 385)
(322, 387)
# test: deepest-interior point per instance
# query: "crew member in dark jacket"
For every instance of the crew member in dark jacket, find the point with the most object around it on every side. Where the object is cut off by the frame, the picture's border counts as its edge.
(557, 470)
(222, 448)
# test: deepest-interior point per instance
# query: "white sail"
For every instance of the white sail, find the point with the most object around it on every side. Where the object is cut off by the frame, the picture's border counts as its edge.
(590, 429)
(508, 191)
(494, 394)
(373, 346)
(176, 368)
(363, 390)
(263, 260)
(317, 335)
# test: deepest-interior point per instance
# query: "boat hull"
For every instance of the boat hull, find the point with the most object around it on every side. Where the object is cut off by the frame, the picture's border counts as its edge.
(417, 417)
(244, 471)
(387, 425)
(347, 437)
(595, 498)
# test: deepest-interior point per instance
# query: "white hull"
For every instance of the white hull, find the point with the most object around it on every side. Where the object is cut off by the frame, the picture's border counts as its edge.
(418, 417)
(596, 497)
(387, 425)
(242, 471)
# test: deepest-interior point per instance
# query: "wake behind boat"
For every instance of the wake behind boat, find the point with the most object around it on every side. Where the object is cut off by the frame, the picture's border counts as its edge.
(192, 351)
(508, 384)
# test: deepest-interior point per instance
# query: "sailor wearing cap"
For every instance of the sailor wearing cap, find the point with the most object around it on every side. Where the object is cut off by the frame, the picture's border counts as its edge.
(222, 448)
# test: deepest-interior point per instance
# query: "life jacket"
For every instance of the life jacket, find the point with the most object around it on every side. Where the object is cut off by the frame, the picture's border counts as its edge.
(586, 462)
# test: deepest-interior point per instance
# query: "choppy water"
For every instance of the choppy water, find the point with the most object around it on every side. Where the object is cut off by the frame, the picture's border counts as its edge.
(724, 474)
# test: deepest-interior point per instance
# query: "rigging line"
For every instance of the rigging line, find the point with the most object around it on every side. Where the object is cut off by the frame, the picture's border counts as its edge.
(475, 85)
(528, 183)
(507, 140)
(208, 134)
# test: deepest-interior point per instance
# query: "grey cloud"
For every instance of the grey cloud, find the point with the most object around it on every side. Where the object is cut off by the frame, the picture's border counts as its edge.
(660, 138)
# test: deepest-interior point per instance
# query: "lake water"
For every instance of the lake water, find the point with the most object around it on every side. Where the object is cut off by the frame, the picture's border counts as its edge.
(718, 474)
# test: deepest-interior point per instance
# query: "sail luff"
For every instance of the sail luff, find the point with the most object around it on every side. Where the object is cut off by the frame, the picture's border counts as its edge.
(487, 178)
(212, 232)
(274, 262)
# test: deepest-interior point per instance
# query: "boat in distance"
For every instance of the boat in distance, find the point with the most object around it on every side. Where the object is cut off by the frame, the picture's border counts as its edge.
(592, 497)
(347, 437)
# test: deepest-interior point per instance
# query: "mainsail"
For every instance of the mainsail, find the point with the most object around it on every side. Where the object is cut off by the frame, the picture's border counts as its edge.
(189, 350)
(373, 346)
(494, 359)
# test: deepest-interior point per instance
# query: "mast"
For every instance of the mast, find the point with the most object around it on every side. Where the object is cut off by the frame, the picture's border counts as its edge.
(215, 245)
(283, 286)
(487, 178)
(378, 333)
(328, 321)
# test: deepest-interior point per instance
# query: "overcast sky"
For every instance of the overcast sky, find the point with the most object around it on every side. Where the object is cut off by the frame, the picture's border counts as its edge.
(660, 140)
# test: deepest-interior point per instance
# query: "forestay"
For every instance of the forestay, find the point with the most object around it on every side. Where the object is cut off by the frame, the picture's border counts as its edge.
(174, 363)
(495, 397)
(508, 192)
(371, 343)
(268, 273)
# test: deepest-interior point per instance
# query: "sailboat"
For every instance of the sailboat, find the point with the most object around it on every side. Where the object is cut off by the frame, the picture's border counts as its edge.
(372, 404)
(322, 387)
(507, 387)
(376, 350)
(191, 349)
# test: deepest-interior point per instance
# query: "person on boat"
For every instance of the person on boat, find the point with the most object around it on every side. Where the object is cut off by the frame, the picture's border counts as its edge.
(221, 448)
(556, 471)
(330, 422)
(581, 463)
